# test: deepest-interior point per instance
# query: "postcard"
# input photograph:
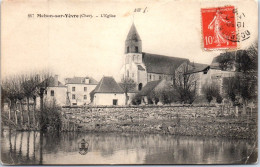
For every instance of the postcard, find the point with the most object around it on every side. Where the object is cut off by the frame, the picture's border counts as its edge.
(129, 82)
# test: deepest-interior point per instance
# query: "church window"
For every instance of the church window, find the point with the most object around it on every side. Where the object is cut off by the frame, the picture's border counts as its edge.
(136, 49)
(140, 86)
(127, 73)
(52, 92)
(150, 76)
(133, 74)
(160, 77)
(127, 49)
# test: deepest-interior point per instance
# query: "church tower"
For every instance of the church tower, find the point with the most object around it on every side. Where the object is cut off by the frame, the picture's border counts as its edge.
(133, 66)
(133, 42)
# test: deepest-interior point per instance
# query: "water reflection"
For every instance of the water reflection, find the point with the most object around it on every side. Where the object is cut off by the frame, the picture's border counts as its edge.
(110, 148)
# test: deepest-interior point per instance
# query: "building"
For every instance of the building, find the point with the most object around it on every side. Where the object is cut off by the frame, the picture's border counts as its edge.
(78, 90)
(55, 92)
(209, 74)
(154, 86)
(108, 92)
(145, 67)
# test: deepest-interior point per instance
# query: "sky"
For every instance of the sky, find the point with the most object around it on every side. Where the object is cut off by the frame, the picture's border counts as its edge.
(95, 47)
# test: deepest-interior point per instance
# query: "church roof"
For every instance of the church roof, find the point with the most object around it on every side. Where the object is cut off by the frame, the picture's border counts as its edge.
(108, 85)
(133, 34)
(80, 80)
(149, 87)
(140, 67)
(161, 64)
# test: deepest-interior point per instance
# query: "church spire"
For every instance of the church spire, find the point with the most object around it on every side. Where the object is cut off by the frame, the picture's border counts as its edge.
(133, 34)
(133, 43)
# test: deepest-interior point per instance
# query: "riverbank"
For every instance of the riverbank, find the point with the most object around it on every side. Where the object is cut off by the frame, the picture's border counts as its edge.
(175, 120)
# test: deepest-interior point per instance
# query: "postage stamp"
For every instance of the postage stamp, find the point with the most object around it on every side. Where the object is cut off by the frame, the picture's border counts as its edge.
(219, 28)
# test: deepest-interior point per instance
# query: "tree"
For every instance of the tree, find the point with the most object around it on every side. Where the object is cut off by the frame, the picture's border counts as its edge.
(210, 91)
(165, 95)
(137, 99)
(242, 86)
(9, 86)
(127, 84)
(153, 97)
(243, 62)
(185, 84)
(29, 85)
(226, 60)
(246, 89)
(252, 52)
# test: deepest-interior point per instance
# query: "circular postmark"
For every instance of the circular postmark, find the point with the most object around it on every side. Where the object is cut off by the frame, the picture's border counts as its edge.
(241, 32)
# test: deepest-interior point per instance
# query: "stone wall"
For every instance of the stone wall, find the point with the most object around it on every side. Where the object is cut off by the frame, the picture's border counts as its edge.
(177, 120)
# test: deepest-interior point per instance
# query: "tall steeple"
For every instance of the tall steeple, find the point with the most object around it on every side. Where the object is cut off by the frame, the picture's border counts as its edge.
(133, 42)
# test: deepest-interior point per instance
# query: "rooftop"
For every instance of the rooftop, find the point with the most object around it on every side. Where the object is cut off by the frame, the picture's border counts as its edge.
(149, 87)
(161, 64)
(80, 80)
(108, 85)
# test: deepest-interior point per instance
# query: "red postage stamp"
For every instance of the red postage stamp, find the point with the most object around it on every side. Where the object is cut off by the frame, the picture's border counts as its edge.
(219, 28)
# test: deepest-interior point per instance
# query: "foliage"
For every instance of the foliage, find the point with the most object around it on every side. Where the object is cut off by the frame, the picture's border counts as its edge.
(51, 117)
(226, 60)
(210, 91)
(18, 87)
(252, 52)
(243, 85)
(243, 62)
(219, 99)
(166, 95)
(137, 99)
(153, 97)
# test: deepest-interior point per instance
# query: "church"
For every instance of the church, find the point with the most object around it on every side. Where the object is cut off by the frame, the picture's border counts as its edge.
(145, 67)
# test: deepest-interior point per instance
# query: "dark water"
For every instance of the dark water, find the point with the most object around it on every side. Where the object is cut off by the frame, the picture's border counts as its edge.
(111, 148)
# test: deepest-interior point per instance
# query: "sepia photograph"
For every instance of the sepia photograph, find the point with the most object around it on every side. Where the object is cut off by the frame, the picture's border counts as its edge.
(134, 82)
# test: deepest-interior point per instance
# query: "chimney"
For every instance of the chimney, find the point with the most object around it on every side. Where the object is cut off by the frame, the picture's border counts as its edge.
(56, 80)
(86, 80)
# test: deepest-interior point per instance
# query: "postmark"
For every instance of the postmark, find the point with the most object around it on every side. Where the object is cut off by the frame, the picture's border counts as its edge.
(219, 28)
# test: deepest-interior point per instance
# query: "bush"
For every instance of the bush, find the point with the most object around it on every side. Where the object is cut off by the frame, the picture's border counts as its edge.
(165, 96)
(137, 99)
(51, 117)
(211, 91)
(153, 98)
(219, 99)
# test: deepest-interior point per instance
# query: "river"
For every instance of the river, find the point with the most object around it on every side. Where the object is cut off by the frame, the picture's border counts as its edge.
(115, 148)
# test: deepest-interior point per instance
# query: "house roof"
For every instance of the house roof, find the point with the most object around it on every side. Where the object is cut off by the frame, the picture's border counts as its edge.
(149, 87)
(132, 90)
(133, 34)
(108, 85)
(161, 64)
(51, 82)
(80, 80)
(197, 67)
